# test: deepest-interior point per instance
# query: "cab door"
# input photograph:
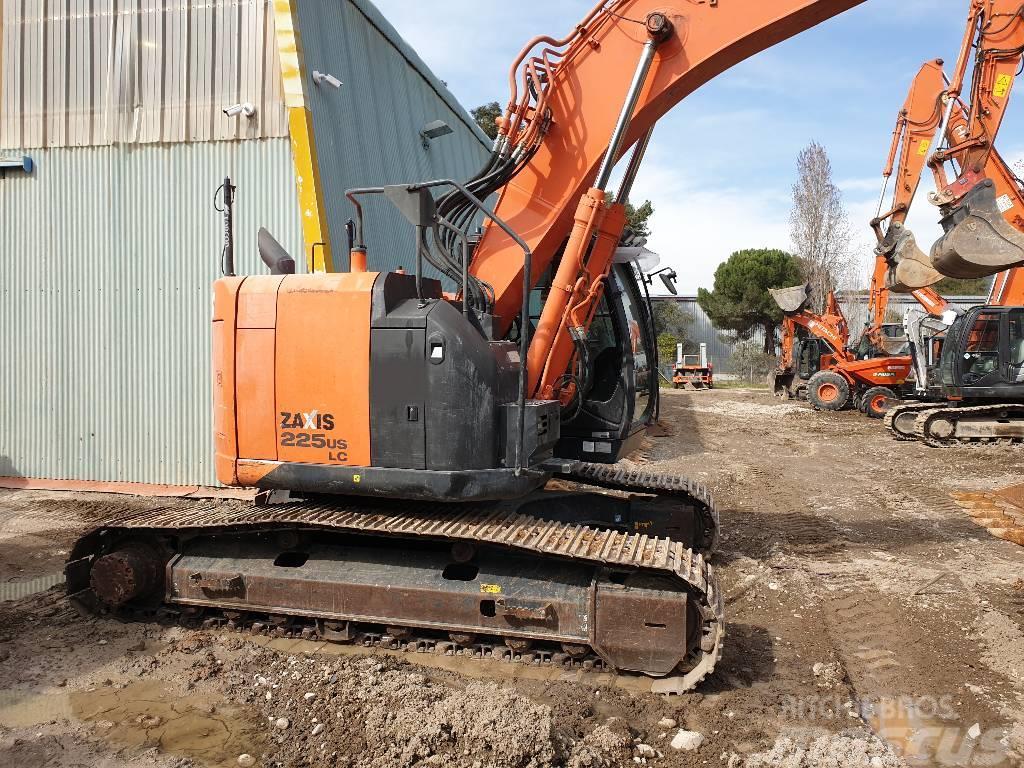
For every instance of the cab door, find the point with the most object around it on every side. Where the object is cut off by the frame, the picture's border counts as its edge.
(979, 364)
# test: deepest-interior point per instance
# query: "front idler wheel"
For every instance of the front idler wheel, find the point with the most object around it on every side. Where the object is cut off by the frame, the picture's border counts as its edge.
(131, 571)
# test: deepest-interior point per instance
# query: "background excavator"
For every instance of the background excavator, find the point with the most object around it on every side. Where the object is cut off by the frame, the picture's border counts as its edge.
(975, 369)
(420, 435)
(817, 357)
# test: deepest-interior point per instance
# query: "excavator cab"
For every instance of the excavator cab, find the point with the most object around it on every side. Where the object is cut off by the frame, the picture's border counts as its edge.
(983, 355)
(621, 391)
(810, 352)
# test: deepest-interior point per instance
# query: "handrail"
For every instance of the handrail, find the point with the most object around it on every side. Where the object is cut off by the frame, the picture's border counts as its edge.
(524, 340)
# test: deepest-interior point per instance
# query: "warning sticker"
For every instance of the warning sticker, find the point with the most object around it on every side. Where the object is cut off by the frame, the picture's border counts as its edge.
(491, 589)
(1002, 86)
(922, 148)
(1004, 203)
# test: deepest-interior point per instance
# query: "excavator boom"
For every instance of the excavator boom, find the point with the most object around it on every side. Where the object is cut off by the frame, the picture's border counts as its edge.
(565, 113)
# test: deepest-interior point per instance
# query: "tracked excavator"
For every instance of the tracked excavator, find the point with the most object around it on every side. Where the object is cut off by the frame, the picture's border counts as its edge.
(420, 436)
(970, 373)
(974, 371)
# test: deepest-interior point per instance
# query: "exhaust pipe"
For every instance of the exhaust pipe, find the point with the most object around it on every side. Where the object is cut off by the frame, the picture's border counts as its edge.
(791, 300)
(978, 241)
(909, 268)
(274, 255)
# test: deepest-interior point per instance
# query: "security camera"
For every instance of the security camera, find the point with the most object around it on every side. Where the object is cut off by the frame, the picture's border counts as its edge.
(246, 110)
(323, 77)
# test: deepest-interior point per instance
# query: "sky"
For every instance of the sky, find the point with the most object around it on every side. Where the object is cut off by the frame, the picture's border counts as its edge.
(722, 163)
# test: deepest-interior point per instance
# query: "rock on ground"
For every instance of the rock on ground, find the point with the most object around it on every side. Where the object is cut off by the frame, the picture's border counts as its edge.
(851, 748)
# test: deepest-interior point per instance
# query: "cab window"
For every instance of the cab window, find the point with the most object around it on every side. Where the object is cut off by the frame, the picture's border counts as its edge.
(981, 352)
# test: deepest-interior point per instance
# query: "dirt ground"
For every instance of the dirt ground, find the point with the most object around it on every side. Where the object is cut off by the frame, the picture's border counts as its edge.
(871, 622)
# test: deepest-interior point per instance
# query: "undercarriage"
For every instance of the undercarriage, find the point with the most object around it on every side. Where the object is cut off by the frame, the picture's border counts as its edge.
(572, 576)
(940, 425)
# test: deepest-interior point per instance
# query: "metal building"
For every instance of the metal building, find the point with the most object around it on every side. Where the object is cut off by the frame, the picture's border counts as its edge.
(855, 307)
(701, 330)
(110, 240)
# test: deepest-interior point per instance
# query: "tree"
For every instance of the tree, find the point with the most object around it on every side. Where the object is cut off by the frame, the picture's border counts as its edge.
(669, 318)
(748, 359)
(486, 116)
(819, 226)
(667, 349)
(952, 286)
(740, 301)
(672, 327)
(637, 219)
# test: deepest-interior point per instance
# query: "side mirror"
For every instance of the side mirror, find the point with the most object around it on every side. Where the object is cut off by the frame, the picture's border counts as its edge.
(669, 279)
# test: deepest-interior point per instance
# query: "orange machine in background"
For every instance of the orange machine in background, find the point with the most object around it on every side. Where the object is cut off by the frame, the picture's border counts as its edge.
(693, 371)
(820, 365)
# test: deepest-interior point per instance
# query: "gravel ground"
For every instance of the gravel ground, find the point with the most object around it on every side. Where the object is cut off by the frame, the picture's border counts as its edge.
(872, 622)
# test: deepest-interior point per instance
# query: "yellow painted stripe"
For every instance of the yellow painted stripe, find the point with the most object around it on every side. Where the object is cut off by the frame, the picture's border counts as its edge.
(315, 234)
(307, 184)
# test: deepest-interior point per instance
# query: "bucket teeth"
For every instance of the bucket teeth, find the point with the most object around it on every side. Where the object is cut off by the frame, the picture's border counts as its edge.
(978, 240)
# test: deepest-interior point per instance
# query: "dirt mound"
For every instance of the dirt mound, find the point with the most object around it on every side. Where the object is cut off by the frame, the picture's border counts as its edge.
(376, 712)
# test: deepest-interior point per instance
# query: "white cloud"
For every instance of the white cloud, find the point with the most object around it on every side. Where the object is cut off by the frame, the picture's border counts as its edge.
(695, 227)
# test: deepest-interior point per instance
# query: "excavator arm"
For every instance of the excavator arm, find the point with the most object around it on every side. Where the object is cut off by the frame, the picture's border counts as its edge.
(577, 104)
(975, 206)
(916, 127)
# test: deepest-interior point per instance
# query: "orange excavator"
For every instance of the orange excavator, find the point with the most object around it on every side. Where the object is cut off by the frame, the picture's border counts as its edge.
(975, 368)
(420, 434)
(978, 209)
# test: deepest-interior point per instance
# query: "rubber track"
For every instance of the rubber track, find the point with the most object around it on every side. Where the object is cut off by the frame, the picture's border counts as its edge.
(641, 481)
(925, 420)
(476, 525)
(892, 413)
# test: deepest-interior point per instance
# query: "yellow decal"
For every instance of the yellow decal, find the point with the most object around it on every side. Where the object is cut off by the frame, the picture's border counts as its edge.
(356, 478)
(922, 148)
(491, 589)
(1003, 83)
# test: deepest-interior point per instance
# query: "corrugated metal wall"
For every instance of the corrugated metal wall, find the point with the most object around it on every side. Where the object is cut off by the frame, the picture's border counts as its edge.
(109, 251)
(368, 131)
(855, 308)
(108, 256)
(97, 72)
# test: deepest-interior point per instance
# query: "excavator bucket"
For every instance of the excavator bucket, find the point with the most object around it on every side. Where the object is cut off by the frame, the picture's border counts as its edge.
(793, 299)
(978, 241)
(911, 268)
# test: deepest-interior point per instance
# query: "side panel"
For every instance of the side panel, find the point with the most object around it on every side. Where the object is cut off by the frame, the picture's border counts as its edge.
(225, 293)
(323, 377)
(254, 367)
(257, 438)
(399, 388)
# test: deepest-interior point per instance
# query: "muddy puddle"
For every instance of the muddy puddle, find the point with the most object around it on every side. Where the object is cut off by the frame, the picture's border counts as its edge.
(143, 715)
